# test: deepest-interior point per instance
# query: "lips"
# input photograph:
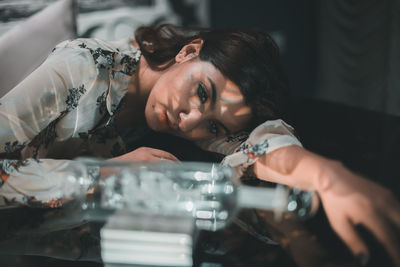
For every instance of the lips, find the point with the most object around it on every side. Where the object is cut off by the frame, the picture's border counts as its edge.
(164, 122)
(167, 121)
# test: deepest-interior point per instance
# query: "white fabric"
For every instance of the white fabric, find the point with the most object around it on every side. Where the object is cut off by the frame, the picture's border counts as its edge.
(264, 139)
(24, 47)
(51, 113)
(242, 150)
(45, 181)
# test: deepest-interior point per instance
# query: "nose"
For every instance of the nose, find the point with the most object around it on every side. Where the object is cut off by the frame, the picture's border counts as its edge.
(189, 120)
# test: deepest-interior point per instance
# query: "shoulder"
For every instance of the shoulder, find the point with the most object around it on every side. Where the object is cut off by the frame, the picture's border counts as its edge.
(97, 46)
(269, 135)
(116, 56)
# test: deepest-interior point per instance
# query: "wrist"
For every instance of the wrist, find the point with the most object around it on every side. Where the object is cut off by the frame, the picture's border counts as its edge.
(327, 175)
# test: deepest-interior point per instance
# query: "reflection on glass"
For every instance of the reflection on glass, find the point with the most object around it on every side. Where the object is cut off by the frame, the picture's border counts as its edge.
(210, 193)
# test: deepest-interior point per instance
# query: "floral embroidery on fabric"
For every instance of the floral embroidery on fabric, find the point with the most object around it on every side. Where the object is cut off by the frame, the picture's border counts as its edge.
(129, 64)
(74, 96)
(105, 129)
(82, 45)
(46, 136)
(101, 103)
(237, 137)
(242, 147)
(117, 62)
(256, 150)
(14, 148)
(49, 134)
(104, 59)
(6, 168)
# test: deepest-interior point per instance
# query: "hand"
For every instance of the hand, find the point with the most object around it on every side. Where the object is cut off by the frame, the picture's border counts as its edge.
(351, 200)
(146, 154)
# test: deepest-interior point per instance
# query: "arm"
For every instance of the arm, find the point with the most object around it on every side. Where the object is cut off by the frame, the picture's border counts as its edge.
(28, 118)
(50, 92)
(274, 154)
(59, 100)
(348, 199)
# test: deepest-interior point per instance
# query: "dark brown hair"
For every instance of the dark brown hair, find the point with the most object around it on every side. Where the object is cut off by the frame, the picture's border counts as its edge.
(249, 58)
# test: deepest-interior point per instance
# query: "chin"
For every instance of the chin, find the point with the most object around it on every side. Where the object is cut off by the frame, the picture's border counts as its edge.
(154, 124)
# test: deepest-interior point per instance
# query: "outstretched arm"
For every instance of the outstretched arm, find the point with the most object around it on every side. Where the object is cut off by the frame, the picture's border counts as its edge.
(348, 199)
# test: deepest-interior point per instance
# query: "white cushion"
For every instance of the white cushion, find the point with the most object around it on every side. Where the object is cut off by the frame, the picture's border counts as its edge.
(26, 46)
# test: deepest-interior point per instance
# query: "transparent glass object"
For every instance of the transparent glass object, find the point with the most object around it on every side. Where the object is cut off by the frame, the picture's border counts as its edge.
(211, 193)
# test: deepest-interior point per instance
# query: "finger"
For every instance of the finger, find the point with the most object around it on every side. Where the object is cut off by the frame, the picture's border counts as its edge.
(350, 237)
(164, 154)
(385, 236)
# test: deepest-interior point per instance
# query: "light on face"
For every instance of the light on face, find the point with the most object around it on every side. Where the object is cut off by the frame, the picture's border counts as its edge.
(231, 96)
(243, 111)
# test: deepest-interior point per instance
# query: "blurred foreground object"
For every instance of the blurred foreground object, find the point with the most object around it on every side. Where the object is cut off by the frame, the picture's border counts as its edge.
(210, 193)
(156, 208)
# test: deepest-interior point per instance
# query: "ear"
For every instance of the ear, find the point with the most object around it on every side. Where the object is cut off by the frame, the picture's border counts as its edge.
(189, 51)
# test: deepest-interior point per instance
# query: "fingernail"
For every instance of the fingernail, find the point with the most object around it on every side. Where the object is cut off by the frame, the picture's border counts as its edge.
(362, 258)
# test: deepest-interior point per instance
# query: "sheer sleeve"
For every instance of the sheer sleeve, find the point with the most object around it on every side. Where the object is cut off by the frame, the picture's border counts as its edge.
(243, 150)
(28, 113)
(51, 91)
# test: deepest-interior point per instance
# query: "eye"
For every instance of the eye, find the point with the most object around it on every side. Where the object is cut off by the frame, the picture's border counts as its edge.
(213, 127)
(202, 93)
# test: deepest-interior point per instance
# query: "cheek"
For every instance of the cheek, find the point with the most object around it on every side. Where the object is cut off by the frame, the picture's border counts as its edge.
(234, 111)
(231, 96)
(236, 116)
(243, 112)
(162, 92)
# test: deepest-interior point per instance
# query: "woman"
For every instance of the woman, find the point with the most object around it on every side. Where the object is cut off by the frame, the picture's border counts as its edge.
(92, 97)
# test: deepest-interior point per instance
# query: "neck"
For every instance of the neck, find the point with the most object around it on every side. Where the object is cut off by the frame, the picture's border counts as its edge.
(139, 89)
(144, 78)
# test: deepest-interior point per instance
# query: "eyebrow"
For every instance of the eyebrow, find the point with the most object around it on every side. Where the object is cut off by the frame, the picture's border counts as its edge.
(213, 101)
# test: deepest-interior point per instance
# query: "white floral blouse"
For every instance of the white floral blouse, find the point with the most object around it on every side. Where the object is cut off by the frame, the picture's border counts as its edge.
(65, 109)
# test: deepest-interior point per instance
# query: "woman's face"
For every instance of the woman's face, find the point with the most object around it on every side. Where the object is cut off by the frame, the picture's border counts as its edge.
(193, 100)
